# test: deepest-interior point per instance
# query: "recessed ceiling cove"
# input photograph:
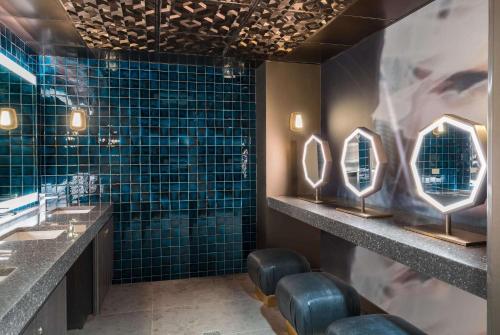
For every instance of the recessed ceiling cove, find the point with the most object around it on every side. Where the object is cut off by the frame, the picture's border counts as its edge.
(239, 27)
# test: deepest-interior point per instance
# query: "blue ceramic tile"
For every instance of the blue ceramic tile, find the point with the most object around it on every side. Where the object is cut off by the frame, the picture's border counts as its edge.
(174, 153)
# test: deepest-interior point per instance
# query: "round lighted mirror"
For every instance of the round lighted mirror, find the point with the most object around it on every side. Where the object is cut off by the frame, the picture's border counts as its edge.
(363, 162)
(449, 164)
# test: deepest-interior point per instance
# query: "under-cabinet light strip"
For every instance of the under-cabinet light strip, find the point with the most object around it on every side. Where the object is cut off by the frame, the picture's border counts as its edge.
(17, 69)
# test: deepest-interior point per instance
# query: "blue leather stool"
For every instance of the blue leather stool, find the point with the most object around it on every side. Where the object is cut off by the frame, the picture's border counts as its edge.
(310, 302)
(376, 324)
(267, 266)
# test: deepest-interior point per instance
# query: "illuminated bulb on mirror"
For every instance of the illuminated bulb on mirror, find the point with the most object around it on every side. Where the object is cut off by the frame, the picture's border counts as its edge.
(78, 120)
(296, 122)
(439, 130)
(8, 118)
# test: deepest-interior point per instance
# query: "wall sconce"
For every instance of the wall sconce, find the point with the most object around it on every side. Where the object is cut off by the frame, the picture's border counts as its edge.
(8, 118)
(296, 122)
(452, 181)
(78, 120)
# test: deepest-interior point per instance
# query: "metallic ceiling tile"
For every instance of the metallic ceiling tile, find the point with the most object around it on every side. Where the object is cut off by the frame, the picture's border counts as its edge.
(43, 31)
(249, 27)
(385, 9)
(114, 24)
(33, 9)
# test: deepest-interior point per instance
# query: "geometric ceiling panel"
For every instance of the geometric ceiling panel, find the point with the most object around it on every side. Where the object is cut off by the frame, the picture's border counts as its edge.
(277, 27)
(114, 24)
(257, 28)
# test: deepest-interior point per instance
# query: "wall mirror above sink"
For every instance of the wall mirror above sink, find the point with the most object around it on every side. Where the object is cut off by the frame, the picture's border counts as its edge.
(316, 164)
(363, 164)
(18, 131)
(448, 164)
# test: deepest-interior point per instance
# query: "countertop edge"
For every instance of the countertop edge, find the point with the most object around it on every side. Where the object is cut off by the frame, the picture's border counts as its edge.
(466, 277)
(20, 313)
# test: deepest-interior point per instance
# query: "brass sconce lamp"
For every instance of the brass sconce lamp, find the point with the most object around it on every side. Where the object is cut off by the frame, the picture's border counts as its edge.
(78, 120)
(8, 118)
(296, 121)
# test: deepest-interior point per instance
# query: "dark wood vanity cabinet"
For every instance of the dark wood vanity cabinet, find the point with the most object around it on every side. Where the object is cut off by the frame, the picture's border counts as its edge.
(103, 264)
(81, 292)
(89, 279)
(51, 317)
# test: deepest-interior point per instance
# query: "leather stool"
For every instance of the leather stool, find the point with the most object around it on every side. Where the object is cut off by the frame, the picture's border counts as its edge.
(267, 266)
(310, 302)
(375, 324)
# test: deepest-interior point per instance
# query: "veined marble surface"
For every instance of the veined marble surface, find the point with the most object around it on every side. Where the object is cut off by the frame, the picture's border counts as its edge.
(41, 264)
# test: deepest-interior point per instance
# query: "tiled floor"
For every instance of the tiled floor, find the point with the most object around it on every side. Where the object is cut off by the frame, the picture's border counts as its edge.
(216, 305)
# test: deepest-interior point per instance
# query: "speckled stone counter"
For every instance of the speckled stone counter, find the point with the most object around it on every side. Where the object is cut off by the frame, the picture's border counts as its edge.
(462, 267)
(41, 264)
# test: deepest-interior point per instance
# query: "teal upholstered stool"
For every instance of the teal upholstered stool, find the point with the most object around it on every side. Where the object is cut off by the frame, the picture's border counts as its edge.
(310, 302)
(377, 324)
(267, 266)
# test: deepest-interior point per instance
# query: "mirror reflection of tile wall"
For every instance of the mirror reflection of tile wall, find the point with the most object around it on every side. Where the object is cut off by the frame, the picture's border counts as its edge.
(18, 165)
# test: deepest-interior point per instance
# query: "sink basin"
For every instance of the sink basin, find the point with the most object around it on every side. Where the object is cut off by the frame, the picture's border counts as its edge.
(34, 235)
(73, 210)
(5, 272)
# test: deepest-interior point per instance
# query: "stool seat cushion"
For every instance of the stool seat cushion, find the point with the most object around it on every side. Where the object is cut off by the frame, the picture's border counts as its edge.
(267, 266)
(312, 301)
(373, 325)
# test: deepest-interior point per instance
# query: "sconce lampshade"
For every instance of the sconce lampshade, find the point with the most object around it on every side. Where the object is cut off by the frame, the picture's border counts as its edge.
(8, 118)
(78, 120)
(296, 122)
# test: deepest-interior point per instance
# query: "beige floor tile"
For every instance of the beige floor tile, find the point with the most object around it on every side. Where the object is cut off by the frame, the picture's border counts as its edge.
(128, 298)
(186, 307)
(136, 323)
(189, 292)
(227, 317)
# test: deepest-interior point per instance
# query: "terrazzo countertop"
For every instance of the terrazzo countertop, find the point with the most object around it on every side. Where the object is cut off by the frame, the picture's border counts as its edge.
(41, 264)
(462, 267)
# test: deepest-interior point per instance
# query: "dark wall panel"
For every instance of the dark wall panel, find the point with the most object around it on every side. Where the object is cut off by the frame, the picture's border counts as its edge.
(399, 80)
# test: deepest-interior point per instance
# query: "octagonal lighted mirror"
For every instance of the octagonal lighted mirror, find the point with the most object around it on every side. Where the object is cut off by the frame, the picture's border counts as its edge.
(448, 165)
(363, 164)
(316, 163)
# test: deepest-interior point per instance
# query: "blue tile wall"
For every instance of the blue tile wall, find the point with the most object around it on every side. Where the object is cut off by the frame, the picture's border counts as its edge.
(365, 172)
(18, 147)
(16, 49)
(172, 145)
(444, 161)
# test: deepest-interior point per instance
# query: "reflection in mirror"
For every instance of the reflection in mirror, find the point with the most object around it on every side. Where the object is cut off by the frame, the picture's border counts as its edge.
(360, 162)
(316, 163)
(449, 168)
(363, 165)
(18, 166)
(448, 164)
